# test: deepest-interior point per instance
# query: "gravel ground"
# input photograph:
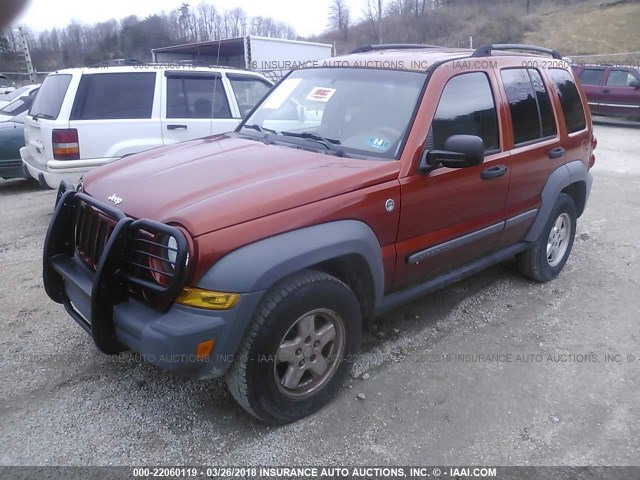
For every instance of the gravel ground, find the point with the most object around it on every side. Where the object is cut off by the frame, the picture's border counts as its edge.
(552, 398)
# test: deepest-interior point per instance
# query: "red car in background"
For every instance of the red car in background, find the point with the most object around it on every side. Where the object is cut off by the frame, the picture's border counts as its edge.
(611, 90)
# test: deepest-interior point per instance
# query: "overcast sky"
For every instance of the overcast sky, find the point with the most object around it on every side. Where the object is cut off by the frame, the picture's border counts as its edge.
(308, 17)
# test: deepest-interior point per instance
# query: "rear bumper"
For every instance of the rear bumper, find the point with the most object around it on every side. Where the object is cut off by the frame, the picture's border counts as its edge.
(11, 169)
(55, 171)
(99, 302)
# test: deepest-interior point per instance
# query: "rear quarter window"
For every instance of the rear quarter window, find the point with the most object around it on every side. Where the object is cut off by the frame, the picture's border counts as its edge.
(569, 99)
(49, 100)
(104, 96)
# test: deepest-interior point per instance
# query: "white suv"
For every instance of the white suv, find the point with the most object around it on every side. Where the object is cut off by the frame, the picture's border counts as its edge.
(86, 117)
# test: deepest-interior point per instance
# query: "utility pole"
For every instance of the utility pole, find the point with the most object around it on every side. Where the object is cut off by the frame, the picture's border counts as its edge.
(24, 45)
(380, 22)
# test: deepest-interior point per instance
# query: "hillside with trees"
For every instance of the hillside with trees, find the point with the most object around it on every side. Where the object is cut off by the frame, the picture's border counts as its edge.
(573, 26)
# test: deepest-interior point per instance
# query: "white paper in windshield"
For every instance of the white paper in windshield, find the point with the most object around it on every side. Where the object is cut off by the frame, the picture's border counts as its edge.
(321, 94)
(277, 98)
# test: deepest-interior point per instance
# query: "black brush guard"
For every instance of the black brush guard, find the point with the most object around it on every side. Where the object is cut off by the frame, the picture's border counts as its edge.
(113, 276)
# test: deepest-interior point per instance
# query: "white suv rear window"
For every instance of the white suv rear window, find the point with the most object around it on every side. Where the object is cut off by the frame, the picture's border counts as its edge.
(50, 97)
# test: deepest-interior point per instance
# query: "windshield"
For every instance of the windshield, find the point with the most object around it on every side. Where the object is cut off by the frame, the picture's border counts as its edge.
(347, 110)
(19, 105)
(15, 94)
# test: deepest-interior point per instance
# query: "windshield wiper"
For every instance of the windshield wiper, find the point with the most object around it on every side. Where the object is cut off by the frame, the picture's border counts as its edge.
(264, 131)
(43, 115)
(328, 143)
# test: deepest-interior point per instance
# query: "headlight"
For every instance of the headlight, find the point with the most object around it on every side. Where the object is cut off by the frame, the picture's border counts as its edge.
(172, 252)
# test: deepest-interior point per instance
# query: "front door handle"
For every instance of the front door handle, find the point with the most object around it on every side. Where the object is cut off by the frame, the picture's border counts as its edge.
(176, 127)
(493, 172)
(606, 90)
(556, 152)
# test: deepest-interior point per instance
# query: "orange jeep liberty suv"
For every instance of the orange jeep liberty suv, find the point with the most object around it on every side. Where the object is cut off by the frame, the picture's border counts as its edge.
(353, 187)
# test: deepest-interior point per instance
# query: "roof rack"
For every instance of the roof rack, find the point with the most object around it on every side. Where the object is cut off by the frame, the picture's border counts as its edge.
(390, 46)
(117, 62)
(485, 50)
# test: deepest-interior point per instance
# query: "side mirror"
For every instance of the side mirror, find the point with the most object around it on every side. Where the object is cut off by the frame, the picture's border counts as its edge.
(460, 151)
(635, 84)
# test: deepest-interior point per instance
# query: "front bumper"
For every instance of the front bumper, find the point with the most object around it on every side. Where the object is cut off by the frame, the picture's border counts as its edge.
(99, 301)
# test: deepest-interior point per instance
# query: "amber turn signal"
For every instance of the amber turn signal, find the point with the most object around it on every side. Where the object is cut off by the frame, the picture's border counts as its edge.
(200, 298)
(204, 349)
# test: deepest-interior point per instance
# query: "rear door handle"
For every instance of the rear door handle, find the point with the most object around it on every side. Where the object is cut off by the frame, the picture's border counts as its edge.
(493, 172)
(556, 152)
(176, 127)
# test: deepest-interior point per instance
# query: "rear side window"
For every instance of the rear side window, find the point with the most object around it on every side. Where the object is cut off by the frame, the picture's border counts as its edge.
(569, 100)
(49, 100)
(620, 78)
(466, 107)
(4, 82)
(591, 76)
(196, 97)
(529, 104)
(248, 91)
(105, 96)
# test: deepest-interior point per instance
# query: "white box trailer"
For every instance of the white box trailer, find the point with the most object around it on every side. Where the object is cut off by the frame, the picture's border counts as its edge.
(272, 57)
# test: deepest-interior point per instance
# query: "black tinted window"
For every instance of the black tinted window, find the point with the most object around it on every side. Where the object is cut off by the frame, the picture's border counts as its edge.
(547, 119)
(50, 96)
(466, 107)
(531, 113)
(522, 104)
(569, 99)
(591, 76)
(114, 95)
(196, 97)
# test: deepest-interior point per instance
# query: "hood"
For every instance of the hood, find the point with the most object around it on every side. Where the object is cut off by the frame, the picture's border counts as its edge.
(215, 182)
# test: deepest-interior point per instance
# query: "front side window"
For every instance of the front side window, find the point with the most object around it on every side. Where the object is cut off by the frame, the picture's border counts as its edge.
(569, 99)
(620, 78)
(359, 111)
(531, 113)
(466, 107)
(591, 76)
(248, 91)
(198, 96)
(49, 100)
(114, 96)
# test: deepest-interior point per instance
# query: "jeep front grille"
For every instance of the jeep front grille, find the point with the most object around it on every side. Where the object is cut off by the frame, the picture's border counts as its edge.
(92, 233)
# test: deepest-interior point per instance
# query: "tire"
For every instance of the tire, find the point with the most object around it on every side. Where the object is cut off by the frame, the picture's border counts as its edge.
(278, 372)
(547, 256)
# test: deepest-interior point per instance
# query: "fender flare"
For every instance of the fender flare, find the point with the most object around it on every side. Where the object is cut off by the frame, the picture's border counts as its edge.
(560, 178)
(259, 265)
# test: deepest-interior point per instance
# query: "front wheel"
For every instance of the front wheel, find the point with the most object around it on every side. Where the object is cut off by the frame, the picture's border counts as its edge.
(547, 256)
(296, 353)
